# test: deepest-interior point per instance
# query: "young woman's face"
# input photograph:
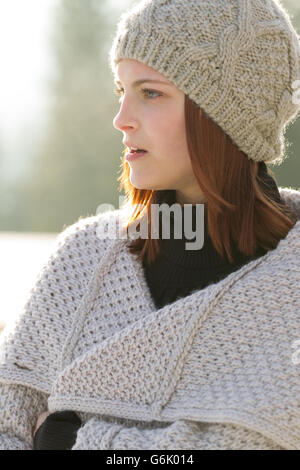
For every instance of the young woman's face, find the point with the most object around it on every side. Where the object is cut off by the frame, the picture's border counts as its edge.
(151, 117)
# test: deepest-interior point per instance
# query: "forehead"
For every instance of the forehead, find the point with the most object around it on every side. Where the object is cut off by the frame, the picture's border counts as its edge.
(129, 69)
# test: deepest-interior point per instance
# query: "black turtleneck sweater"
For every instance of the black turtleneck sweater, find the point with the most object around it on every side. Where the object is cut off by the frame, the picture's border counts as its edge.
(178, 272)
(175, 274)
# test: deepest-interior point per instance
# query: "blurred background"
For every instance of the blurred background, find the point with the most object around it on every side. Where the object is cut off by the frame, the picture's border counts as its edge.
(59, 152)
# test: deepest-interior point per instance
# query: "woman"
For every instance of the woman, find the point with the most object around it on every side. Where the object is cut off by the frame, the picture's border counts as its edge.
(148, 344)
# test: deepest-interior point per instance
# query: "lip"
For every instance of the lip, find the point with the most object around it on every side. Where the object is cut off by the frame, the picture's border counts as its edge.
(130, 157)
(129, 145)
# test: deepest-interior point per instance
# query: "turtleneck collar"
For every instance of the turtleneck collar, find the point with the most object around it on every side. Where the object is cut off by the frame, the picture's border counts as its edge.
(175, 249)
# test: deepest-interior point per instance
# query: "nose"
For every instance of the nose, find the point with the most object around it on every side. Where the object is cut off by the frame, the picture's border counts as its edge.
(123, 120)
(119, 123)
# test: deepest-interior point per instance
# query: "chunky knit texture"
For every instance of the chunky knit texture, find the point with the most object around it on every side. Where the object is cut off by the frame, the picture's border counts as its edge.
(213, 370)
(175, 274)
(237, 59)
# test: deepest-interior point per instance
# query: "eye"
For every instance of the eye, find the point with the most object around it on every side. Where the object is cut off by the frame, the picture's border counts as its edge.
(146, 90)
(120, 92)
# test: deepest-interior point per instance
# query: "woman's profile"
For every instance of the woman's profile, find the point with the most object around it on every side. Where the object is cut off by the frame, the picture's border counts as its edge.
(142, 343)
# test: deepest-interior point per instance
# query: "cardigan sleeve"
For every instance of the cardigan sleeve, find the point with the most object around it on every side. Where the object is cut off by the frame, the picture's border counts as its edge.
(31, 345)
(98, 434)
(20, 407)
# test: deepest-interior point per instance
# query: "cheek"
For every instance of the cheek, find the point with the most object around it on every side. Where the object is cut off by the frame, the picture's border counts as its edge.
(176, 165)
(172, 136)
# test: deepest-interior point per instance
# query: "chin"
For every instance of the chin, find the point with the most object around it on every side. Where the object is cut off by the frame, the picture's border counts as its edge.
(146, 184)
(141, 184)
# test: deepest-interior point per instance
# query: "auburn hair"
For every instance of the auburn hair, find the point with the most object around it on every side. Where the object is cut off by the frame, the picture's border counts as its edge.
(241, 211)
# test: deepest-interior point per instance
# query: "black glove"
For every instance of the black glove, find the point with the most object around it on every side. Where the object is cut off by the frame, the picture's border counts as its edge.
(58, 431)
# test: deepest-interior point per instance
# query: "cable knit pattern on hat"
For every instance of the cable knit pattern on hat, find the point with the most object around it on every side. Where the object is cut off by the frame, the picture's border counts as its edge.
(238, 60)
(213, 370)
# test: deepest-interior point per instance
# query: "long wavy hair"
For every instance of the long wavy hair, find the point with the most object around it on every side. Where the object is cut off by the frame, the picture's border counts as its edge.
(243, 212)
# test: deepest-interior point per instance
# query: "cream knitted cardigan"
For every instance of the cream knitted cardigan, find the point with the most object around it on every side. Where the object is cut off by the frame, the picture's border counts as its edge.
(214, 370)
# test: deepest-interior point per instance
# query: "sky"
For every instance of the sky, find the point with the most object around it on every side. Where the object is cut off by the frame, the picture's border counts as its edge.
(25, 57)
(24, 30)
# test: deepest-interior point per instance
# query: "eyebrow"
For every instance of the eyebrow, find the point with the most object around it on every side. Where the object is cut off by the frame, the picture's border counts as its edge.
(144, 80)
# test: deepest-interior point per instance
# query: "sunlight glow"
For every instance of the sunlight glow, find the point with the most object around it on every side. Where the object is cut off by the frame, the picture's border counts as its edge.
(24, 29)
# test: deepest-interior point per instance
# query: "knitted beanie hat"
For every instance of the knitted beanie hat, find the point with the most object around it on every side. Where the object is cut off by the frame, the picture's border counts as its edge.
(239, 60)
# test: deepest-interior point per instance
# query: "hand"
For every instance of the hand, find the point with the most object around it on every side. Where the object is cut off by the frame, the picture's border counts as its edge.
(40, 421)
(66, 421)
